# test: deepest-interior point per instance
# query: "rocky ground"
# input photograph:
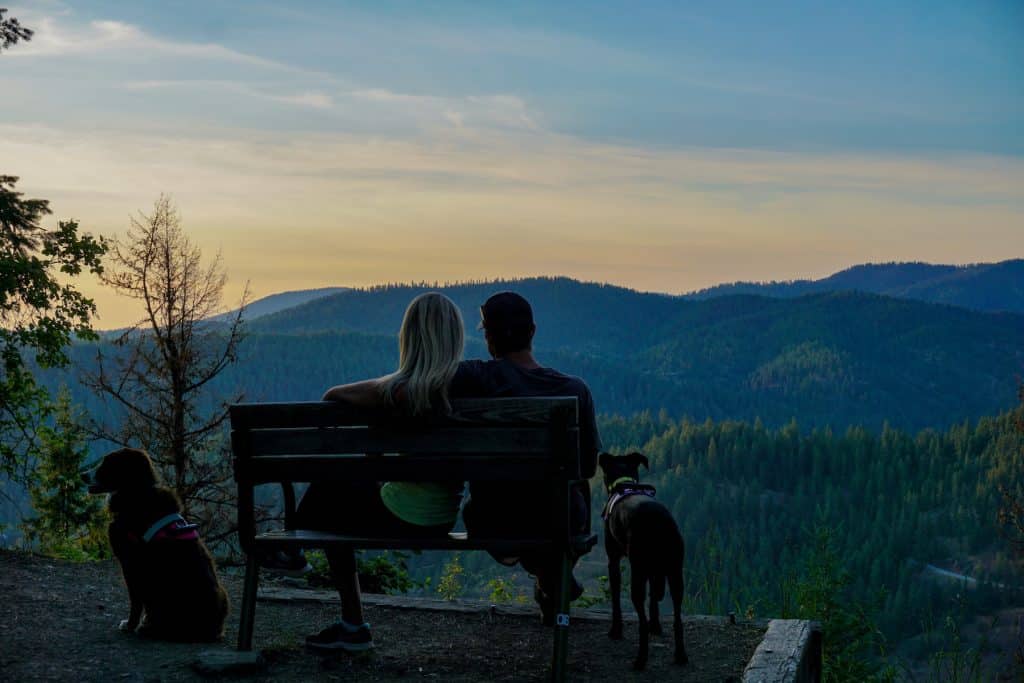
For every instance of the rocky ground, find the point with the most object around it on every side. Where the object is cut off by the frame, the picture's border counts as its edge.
(59, 623)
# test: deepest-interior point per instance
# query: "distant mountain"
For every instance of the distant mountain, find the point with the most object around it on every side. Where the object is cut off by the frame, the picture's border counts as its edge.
(835, 358)
(584, 317)
(831, 358)
(281, 301)
(983, 287)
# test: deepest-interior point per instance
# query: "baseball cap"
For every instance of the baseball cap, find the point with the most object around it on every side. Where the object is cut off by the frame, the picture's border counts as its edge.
(506, 311)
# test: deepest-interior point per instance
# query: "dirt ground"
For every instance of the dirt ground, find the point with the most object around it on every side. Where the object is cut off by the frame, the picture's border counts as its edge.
(59, 619)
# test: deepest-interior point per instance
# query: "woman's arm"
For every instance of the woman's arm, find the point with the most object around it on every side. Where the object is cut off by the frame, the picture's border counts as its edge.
(368, 393)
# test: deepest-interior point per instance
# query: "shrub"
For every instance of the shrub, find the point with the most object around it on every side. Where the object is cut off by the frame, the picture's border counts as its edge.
(450, 587)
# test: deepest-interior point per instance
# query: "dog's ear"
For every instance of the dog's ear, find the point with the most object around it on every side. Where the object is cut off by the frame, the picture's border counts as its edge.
(127, 468)
(604, 459)
(144, 473)
(639, 459)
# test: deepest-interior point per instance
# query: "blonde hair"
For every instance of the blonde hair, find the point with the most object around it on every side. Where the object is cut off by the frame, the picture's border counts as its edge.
(430, 345)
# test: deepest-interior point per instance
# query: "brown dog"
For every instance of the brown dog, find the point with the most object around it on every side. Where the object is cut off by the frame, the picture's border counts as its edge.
(640, 528)
(168, 571)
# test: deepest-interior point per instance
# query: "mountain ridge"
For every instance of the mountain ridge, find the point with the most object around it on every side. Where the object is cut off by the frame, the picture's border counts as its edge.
(989, 287)
(837, 358)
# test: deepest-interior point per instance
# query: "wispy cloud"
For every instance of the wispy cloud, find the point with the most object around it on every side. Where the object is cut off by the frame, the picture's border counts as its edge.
(123, 51)
(499, 110)
(59, 36)
(271, 92)
(538, 166)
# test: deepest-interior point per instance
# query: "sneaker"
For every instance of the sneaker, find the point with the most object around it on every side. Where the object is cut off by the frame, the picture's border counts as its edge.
(342, 636)
(285, 562)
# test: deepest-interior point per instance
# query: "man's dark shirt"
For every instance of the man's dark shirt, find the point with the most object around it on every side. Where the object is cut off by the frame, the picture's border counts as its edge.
(503, 378)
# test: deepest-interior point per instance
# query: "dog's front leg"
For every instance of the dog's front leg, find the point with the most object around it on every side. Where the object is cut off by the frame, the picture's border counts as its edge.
(615, 586)
(134, 613)
(132, 573)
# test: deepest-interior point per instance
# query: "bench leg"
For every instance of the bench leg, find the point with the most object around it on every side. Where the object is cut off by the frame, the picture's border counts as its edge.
(559, 672)
(248, 613)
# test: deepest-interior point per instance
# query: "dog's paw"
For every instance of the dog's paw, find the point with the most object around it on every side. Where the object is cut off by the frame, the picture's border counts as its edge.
(126, 626)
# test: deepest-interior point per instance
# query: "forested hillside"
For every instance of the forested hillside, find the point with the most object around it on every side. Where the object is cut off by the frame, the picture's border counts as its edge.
(833, 359)
(826, 359)
(747, 499)
(982, 287)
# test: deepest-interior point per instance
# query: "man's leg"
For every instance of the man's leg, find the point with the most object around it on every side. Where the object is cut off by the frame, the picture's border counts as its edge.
(482, 521)
(546, 566)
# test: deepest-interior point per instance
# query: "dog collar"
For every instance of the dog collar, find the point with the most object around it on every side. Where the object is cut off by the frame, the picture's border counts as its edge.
(171, 526)
(622, 480)
(632, 488)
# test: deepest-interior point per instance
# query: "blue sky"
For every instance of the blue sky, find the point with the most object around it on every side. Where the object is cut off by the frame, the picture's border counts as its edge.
(664, 146)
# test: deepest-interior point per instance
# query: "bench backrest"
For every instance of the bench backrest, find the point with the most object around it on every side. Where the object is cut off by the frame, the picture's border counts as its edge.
(501, 439)
(483, 439)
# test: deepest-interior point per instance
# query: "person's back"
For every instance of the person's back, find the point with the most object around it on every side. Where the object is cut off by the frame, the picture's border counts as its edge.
(430, 346)
(505, 378)
(507, 320)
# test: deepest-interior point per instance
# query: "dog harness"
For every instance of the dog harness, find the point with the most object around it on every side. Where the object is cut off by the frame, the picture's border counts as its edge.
(172, 527)
(623, 488)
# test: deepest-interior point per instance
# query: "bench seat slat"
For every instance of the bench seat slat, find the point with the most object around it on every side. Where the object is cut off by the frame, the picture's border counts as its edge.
(454, 541)
(384, 440)
(491, 467)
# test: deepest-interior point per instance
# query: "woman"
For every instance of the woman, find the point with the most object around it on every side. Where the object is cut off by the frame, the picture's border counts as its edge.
(430, 345)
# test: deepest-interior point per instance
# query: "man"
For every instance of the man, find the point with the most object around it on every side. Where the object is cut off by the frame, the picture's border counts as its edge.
(507, 322)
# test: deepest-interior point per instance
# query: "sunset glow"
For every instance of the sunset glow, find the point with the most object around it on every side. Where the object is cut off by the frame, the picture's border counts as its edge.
(661, 150)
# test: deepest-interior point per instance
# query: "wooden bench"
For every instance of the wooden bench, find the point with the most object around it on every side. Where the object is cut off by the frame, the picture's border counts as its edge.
(506, 439)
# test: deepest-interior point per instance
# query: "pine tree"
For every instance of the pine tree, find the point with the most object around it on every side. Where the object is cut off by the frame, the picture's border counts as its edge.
(69, 522)
(40, 311)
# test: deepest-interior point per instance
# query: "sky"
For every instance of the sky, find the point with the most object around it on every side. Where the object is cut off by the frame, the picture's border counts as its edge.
(660, 146)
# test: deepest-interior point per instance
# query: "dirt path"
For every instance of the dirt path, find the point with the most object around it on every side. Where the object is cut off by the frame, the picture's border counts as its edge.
(58, 623)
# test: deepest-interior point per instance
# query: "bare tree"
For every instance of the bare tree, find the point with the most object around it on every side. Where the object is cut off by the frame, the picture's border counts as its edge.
(160, 372)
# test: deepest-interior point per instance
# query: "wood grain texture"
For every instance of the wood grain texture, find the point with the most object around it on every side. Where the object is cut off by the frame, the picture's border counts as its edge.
(467, 412)
(408, 440)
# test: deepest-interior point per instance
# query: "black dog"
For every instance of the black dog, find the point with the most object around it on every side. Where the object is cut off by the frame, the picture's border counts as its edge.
(642, 529)
(168, 571)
